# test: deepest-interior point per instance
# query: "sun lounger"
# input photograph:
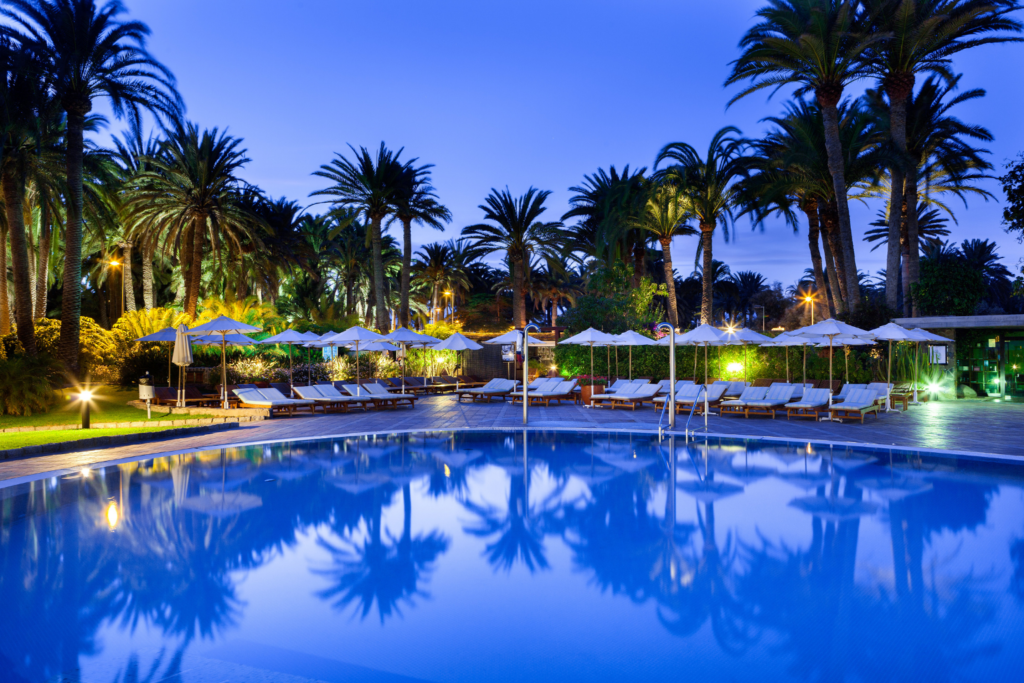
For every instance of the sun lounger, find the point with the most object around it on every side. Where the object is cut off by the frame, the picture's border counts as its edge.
(380, 400)
(845, 391)
(647, 392)
(696, 400)
(686, 392)
(810, 404)
(254, 398)
(733, 389)
(537, 386)
(272, 394)
(496, 388)
(331, 391)
(858, 403)
(738, 406)
(628, 390)
(881, 389)
(800, 389)
(617, 385)
(377, 390)
(332, 400)
(778, 396)
(562, 391)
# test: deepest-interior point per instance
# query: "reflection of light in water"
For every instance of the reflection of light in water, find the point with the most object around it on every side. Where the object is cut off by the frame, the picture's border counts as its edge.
(447, 472)
(112, 515)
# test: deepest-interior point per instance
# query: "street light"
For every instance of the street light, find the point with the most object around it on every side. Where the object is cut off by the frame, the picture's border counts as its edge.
(809, 300)
(451, 304)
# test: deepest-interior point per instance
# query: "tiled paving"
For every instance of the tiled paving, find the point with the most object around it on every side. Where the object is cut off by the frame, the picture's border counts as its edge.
(974, 426)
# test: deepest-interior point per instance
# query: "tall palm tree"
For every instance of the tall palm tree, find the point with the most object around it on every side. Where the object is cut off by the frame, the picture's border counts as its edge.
(516, 229)
(415, 202)
(666, 217)
(88, 52)
(709, 187)
(191, 197)
(820, 46)
(922, 36)
(748, 285)
(370, 186)
(553, 287)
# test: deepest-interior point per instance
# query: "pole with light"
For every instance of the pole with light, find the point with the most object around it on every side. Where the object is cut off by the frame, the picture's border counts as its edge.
(85, 398)
(451, 304)
(809, 300)
(526, 366)
(671, 372)
(117, 264)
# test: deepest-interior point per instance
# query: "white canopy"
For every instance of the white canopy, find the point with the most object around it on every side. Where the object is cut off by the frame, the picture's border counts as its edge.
(182, 347)
(831, 328)
(702, 334)
(892, 332)
(457, 342)
(378, 346)
(512, 337)
(631, 338)
(355, 334)
(404, 335)
(590, 336)
(222, 325)
(917, 334)
(286, 337)
(745, 335)
(228, 339)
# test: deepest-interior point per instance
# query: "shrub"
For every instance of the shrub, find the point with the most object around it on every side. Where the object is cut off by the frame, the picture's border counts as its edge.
(948, 287)
(96, 346)
(250, 371)
(26, 384)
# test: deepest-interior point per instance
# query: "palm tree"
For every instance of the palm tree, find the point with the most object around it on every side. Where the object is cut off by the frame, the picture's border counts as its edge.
(191, 196)
(88, 52)
(517, 231)
(436, 267)
(748, 285)
(665, 216)
(370, 186)
(552, 287)
(709, 188)
(415, 202)
(819, 45)
(922, 35)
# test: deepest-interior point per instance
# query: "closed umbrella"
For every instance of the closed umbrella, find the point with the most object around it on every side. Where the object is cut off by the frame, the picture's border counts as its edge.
(168, 334)
(891, 332)
(182, 356)
(630, 338)
(223, 326)
(589, 337)
(289, 337)
(354, 336)
(457, 342)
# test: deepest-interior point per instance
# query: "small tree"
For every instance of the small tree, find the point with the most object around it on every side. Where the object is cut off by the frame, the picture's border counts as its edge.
(949, 287)
(1013, 187)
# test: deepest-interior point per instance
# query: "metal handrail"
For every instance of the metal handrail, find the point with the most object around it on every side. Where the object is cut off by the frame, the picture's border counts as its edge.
(693, 408)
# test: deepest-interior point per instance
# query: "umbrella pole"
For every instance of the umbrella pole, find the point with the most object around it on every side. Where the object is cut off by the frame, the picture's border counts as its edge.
(630, 363)
(744, 363)
(608, 362)
(787, 364)
(170, 353)
(805, 369)
(917, 366)
(223, 372)
(309, 367)
(846, 357)
(616, 362)
(359, 386)
(404, 354)
(706, 383)
(694, 364)
(888, 380)
(829, 418)
(291, 377)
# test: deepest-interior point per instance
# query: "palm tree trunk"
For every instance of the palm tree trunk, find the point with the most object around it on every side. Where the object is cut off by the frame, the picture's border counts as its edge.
(707, 291)
(5, 302)
(836, 166)
(43, 265)
(350, 294)
(830, 222)
(897, 209)
(14, 197)
(127, 276)
(196, 268)
(810, 209)
(914, 271)
(554, 313)
(382, 323)
(833, 277)
(670, 283)
(905, 255)
(71, 298)
(148, 250)
(518, 294)
(898, 86)
(639, 261)
(433, 304)
(403, 311)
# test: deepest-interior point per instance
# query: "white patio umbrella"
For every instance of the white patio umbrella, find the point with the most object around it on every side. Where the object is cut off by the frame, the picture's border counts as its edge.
(289, 337)
(847, 342)
(182, 356)
(403, 336)
(831, 329)
(664, 341)
(376, 346)
(457, 342)
(223, 326)
(168, 334)
(355, 336)
(630, 338)
(513, 337)
(590, 337)
(745, 337)
(704, 335)
(891, 332)
(920, 335)
(786, 339)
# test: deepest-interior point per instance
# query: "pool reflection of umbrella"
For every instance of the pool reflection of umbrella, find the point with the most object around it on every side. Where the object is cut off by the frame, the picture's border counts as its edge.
(744, 472)
(629, 463)
(457, 458)
(894, 488)
(852, 462)
(708, 490)
(806, 480)
(222, 503)
(358, 482)
(594, 473)
(292, 468)
(833, 509)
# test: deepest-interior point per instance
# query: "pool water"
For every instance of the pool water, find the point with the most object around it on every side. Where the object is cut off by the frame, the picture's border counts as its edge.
(512, 556)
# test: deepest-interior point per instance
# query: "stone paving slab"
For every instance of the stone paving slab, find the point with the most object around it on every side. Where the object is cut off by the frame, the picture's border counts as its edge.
(966, 426)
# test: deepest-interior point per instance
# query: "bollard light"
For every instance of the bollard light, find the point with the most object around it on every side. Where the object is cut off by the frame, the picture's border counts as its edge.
(85, 398)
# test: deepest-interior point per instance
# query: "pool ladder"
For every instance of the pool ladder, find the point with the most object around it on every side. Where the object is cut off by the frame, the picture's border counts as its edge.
(686, 428)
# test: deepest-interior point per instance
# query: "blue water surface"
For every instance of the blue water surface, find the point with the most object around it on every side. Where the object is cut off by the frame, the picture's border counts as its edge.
(512, 556)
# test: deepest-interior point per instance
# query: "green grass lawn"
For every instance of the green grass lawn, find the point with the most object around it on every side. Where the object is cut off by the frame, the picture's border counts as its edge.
(20, 439)
(109, 405)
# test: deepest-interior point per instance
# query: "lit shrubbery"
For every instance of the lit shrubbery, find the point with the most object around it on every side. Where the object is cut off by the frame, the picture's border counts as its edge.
(26, 384)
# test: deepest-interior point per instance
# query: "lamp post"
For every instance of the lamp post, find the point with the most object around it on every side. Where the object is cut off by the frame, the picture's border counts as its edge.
(116, 264)
(526, 367)
(85, 398)
(671, 373)
(451, 304)
(809, 300)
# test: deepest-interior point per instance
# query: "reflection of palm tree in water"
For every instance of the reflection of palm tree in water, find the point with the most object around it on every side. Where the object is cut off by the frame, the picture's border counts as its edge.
(519, 529)
(377, 571)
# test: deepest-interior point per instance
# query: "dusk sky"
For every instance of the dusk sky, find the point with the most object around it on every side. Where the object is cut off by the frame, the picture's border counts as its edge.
(513, 94)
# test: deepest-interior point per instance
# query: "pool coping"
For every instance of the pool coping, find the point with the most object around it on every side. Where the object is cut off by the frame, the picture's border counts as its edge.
(996, 458)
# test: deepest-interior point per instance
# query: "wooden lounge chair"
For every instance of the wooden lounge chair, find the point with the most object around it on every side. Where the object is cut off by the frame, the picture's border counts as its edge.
(628, 390)
(686, 392)
(810, 404)
(779, 395)
(732, 389)
(563, 390)
(272, 394)
(858, 403)
(738, 406)
(537, 386)
(331, 391)
(335, 401)
(496, 388)
(847, 388)
(646, 392)
(254, 398)
(715, 395)
(379, 391)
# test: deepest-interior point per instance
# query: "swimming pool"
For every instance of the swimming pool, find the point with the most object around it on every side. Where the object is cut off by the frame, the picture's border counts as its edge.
(512, 556)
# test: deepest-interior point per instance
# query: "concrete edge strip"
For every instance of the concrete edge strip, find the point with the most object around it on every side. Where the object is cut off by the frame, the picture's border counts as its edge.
(933, 452)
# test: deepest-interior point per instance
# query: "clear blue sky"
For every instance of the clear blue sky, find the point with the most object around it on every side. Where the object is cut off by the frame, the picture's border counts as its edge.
(509, 93)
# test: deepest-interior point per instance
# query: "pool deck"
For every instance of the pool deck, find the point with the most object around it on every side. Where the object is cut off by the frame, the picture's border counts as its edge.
(966, 426)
